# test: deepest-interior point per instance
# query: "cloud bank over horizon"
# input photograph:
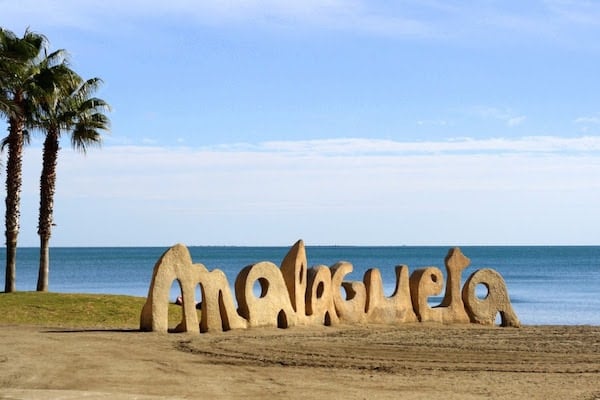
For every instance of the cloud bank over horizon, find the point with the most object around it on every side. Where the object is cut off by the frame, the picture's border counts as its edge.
(354, 191)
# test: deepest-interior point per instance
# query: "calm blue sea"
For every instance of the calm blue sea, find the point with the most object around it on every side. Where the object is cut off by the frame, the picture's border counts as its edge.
(547, 285)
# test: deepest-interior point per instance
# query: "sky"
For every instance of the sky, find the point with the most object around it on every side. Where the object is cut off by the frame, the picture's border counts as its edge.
(340, 122)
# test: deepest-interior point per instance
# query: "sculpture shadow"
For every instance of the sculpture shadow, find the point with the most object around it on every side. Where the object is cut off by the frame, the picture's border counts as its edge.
(93, 330)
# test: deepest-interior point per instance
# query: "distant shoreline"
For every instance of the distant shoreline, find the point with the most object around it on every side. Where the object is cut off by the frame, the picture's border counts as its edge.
(351, 246)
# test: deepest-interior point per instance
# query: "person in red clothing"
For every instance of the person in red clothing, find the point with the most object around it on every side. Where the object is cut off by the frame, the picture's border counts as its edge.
(179, 302)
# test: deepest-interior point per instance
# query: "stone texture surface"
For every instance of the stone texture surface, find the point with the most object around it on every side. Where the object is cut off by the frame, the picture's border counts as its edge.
(174, 264)
(426, 282)
(218, 311)
(452, 307)
(350, 308)
(388, 310)
(320, 308)
(272, 307)
(484, 311)
(294, 270)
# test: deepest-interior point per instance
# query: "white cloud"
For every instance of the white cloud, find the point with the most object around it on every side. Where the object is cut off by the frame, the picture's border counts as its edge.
(358, 146)
(588, 124)
(432, 122)
(579, 12)
(508, 116)
(353, 191)
(588, 120)
(514, 121)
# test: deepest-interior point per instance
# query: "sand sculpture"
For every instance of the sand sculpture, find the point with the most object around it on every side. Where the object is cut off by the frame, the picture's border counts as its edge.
(294, 294)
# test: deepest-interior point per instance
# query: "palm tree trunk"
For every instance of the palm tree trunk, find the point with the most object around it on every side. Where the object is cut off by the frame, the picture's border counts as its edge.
(47, 190)
(42, 283)
(14, 177)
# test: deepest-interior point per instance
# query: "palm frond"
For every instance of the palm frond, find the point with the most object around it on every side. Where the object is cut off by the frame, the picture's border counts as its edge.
(26, 139)
(25, 49)
(88, 87)
(3, 143)
(57, 57)
(84, 136)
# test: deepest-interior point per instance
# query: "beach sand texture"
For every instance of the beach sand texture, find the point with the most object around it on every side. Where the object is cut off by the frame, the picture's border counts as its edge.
(409, 361)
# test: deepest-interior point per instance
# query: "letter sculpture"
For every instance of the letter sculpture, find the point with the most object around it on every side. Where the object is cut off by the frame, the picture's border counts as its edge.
(294, 294)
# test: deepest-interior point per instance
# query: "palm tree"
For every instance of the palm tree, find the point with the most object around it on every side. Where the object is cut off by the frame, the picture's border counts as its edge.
(63, 105)
(19, 62)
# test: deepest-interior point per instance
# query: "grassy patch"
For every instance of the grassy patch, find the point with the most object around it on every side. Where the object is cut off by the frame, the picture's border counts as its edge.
(75, 310)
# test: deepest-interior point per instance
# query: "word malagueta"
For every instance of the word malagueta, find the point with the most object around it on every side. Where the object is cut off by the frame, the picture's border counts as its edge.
(294, 294)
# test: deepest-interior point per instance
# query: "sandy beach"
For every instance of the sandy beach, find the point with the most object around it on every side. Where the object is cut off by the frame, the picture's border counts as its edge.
(412, 361)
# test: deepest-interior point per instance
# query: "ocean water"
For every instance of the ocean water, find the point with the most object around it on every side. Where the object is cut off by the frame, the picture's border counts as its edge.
(546, 284)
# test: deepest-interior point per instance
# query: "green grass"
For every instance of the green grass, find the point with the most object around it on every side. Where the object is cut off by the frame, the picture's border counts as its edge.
(75, 310)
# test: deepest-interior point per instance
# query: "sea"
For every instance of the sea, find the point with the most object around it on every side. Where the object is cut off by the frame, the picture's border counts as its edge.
(547, 285)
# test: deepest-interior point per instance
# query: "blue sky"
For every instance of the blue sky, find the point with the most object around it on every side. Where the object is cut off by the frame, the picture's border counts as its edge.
(259, 122)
